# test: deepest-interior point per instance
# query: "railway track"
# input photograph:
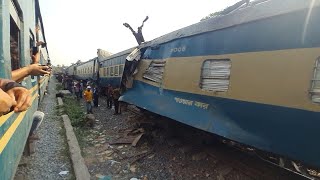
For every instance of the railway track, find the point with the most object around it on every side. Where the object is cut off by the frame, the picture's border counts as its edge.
(229, 157)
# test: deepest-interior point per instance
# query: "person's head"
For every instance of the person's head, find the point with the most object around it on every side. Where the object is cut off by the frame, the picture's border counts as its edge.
(88, 88)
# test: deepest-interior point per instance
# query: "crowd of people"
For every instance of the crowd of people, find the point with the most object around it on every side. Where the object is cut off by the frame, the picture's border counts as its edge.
(90, 92)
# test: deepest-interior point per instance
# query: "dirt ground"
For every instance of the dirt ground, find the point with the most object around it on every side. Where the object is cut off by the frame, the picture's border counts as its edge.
(130, 145)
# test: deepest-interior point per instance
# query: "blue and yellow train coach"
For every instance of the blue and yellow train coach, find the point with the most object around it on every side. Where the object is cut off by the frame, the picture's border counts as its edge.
(111, 69)
(252, 76)
(85, 71)
(20, 23)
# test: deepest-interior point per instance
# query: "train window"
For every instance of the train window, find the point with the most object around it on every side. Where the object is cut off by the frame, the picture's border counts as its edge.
(215, 75)
(155, 71)
(105, 71)
(111, 71)
(14, 45)
(102, 73)
(121, 69)
(15, 26)
(108, 71)
(116, 70)
(315, 86)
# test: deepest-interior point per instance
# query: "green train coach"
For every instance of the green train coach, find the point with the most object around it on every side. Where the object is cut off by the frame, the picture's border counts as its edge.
(21, 23)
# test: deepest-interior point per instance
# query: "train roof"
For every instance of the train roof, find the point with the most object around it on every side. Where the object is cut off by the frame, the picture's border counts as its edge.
(128, 51)
(256, 10)
(82, 63)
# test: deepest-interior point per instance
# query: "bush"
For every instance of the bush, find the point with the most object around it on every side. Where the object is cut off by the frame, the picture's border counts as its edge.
(74, 111)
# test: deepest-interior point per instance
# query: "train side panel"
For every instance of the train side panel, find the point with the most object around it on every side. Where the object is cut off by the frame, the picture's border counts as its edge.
(266, 102)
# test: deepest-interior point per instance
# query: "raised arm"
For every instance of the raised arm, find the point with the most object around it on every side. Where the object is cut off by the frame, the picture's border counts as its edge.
(147, 17)
(128, 26)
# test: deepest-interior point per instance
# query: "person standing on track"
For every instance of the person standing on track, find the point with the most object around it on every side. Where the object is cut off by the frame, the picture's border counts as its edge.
(95, 96)
(109, 96)
(116, 95)
(88, 97)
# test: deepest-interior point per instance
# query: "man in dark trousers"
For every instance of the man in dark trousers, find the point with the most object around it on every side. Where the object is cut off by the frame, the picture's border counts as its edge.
(95, 96)
(138, 35)
(109, 92)
(116, 95)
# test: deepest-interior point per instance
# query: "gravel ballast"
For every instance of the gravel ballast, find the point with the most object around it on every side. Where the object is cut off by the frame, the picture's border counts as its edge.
(51, 155)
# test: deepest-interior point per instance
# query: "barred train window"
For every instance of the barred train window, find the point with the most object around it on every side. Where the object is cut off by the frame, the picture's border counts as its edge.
(101, 72)
(155, 71)
(105, 72)
(215, 75)
(121, 70)
(315, 86)
(116, 70)
(111, 71)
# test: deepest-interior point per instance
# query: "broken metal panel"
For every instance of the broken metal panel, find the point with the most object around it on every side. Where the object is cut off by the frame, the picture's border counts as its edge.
(315, 87)
(155, 71)
(215, 75)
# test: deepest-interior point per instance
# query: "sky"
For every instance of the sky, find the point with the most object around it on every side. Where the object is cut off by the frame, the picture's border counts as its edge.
(75, 29)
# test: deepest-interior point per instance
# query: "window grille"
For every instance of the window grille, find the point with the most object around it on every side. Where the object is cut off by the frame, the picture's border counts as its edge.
(111, 71)
(105, 72)
(315, 85)
(116, 70)
(155, 71)
(121, 70)
(215, 75)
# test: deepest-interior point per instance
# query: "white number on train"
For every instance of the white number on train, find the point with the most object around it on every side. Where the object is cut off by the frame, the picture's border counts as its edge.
(178, 49)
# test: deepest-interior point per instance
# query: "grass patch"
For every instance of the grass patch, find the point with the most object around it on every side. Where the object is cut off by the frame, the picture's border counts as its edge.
(59, 87)
(74, 111)
(77, 117)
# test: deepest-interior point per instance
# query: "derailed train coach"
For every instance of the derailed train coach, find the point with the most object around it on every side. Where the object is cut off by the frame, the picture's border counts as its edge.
(21, 25)
(251, 76)
(111, 69)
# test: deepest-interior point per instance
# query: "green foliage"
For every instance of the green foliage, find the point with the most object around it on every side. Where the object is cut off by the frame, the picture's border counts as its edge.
(59, 87)
(74, 111)
(82, 133)
(77, 117)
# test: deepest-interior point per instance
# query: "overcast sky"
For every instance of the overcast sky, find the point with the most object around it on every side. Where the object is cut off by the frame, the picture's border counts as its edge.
(75, 29)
